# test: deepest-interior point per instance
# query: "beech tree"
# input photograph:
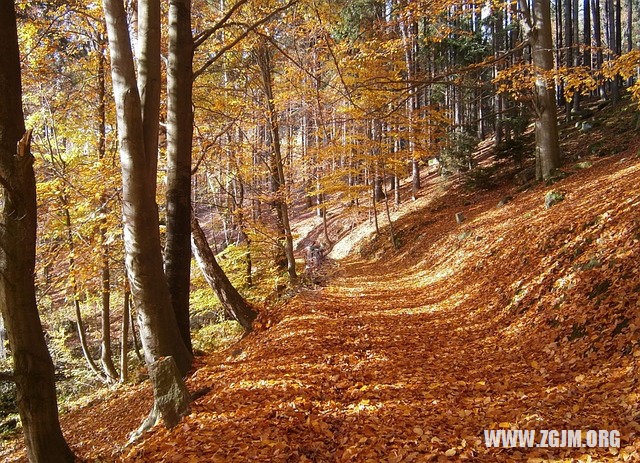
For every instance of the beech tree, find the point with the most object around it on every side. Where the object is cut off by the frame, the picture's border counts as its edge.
(33, 370)
(179, 146)
(538, 31)
(137, 133)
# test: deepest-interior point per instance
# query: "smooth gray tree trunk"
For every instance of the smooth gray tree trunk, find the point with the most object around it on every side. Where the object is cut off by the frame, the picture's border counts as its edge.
(158, 327)
(538, 29)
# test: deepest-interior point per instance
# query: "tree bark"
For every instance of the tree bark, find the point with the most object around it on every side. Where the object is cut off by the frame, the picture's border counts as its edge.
(105, 346)
(235, 306)
(629, 25)
(612, 44)
(158, 327)
(597, 36)
(586, 59)
(149, 80)
(538, 30)
(82, 333)
(568, 43)
(408, 30)
(33, 370)
(278, 178)
(179, 143)
(124, 338)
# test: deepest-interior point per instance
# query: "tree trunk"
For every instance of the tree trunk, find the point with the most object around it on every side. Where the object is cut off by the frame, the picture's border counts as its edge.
(124, 336)
(586, 59)
(235, 306)
(576, 43)
(82, 334)
(408, 30)
(179, 143)
(597, 35)
(629, 25)
(32, 366)
(547, 147)
(158, 327)
(134, 336)
(278, 179)
(105, 346)
(149, 80)
(612, 43)
(568, 43)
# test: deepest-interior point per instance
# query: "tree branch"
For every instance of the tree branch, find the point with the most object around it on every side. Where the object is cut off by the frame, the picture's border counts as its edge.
(229, 46)
(204, 35)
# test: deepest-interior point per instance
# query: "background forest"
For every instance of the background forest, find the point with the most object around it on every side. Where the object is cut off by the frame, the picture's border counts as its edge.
(187, 155)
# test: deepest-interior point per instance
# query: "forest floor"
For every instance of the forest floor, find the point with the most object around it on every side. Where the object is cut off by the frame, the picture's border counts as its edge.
(521, 317)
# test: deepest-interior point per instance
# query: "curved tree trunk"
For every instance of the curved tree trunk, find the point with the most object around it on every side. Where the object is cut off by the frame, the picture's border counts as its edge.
(235, 306)
(32, 365)
(158, 327)
(82, 334)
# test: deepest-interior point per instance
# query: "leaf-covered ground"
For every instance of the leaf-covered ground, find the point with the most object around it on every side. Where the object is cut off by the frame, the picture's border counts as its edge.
(521, 317)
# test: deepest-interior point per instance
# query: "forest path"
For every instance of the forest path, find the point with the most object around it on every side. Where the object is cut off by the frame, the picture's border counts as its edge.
(371, 367)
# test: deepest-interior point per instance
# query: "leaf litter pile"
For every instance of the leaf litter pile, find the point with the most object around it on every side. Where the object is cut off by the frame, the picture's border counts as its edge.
(520, 318)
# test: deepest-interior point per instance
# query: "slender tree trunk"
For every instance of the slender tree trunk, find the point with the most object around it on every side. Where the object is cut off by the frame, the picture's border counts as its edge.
(497, 100)
(32, 366)
(586, 59)
(613, 47)
(597, 35)
(375, 209)
(278, 178)
(408, 39)
(124, 336)
(392, 234)
(82, 333)
(568, 43)
(158, 327)
(629, 34)
(559, 49)
(179, 143)
(106, 353)
(618, 50)
(576, 43)
(134, 335)
(235, 306)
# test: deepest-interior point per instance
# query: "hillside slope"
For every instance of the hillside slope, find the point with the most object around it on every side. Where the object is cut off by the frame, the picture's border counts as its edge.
(521, 317)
